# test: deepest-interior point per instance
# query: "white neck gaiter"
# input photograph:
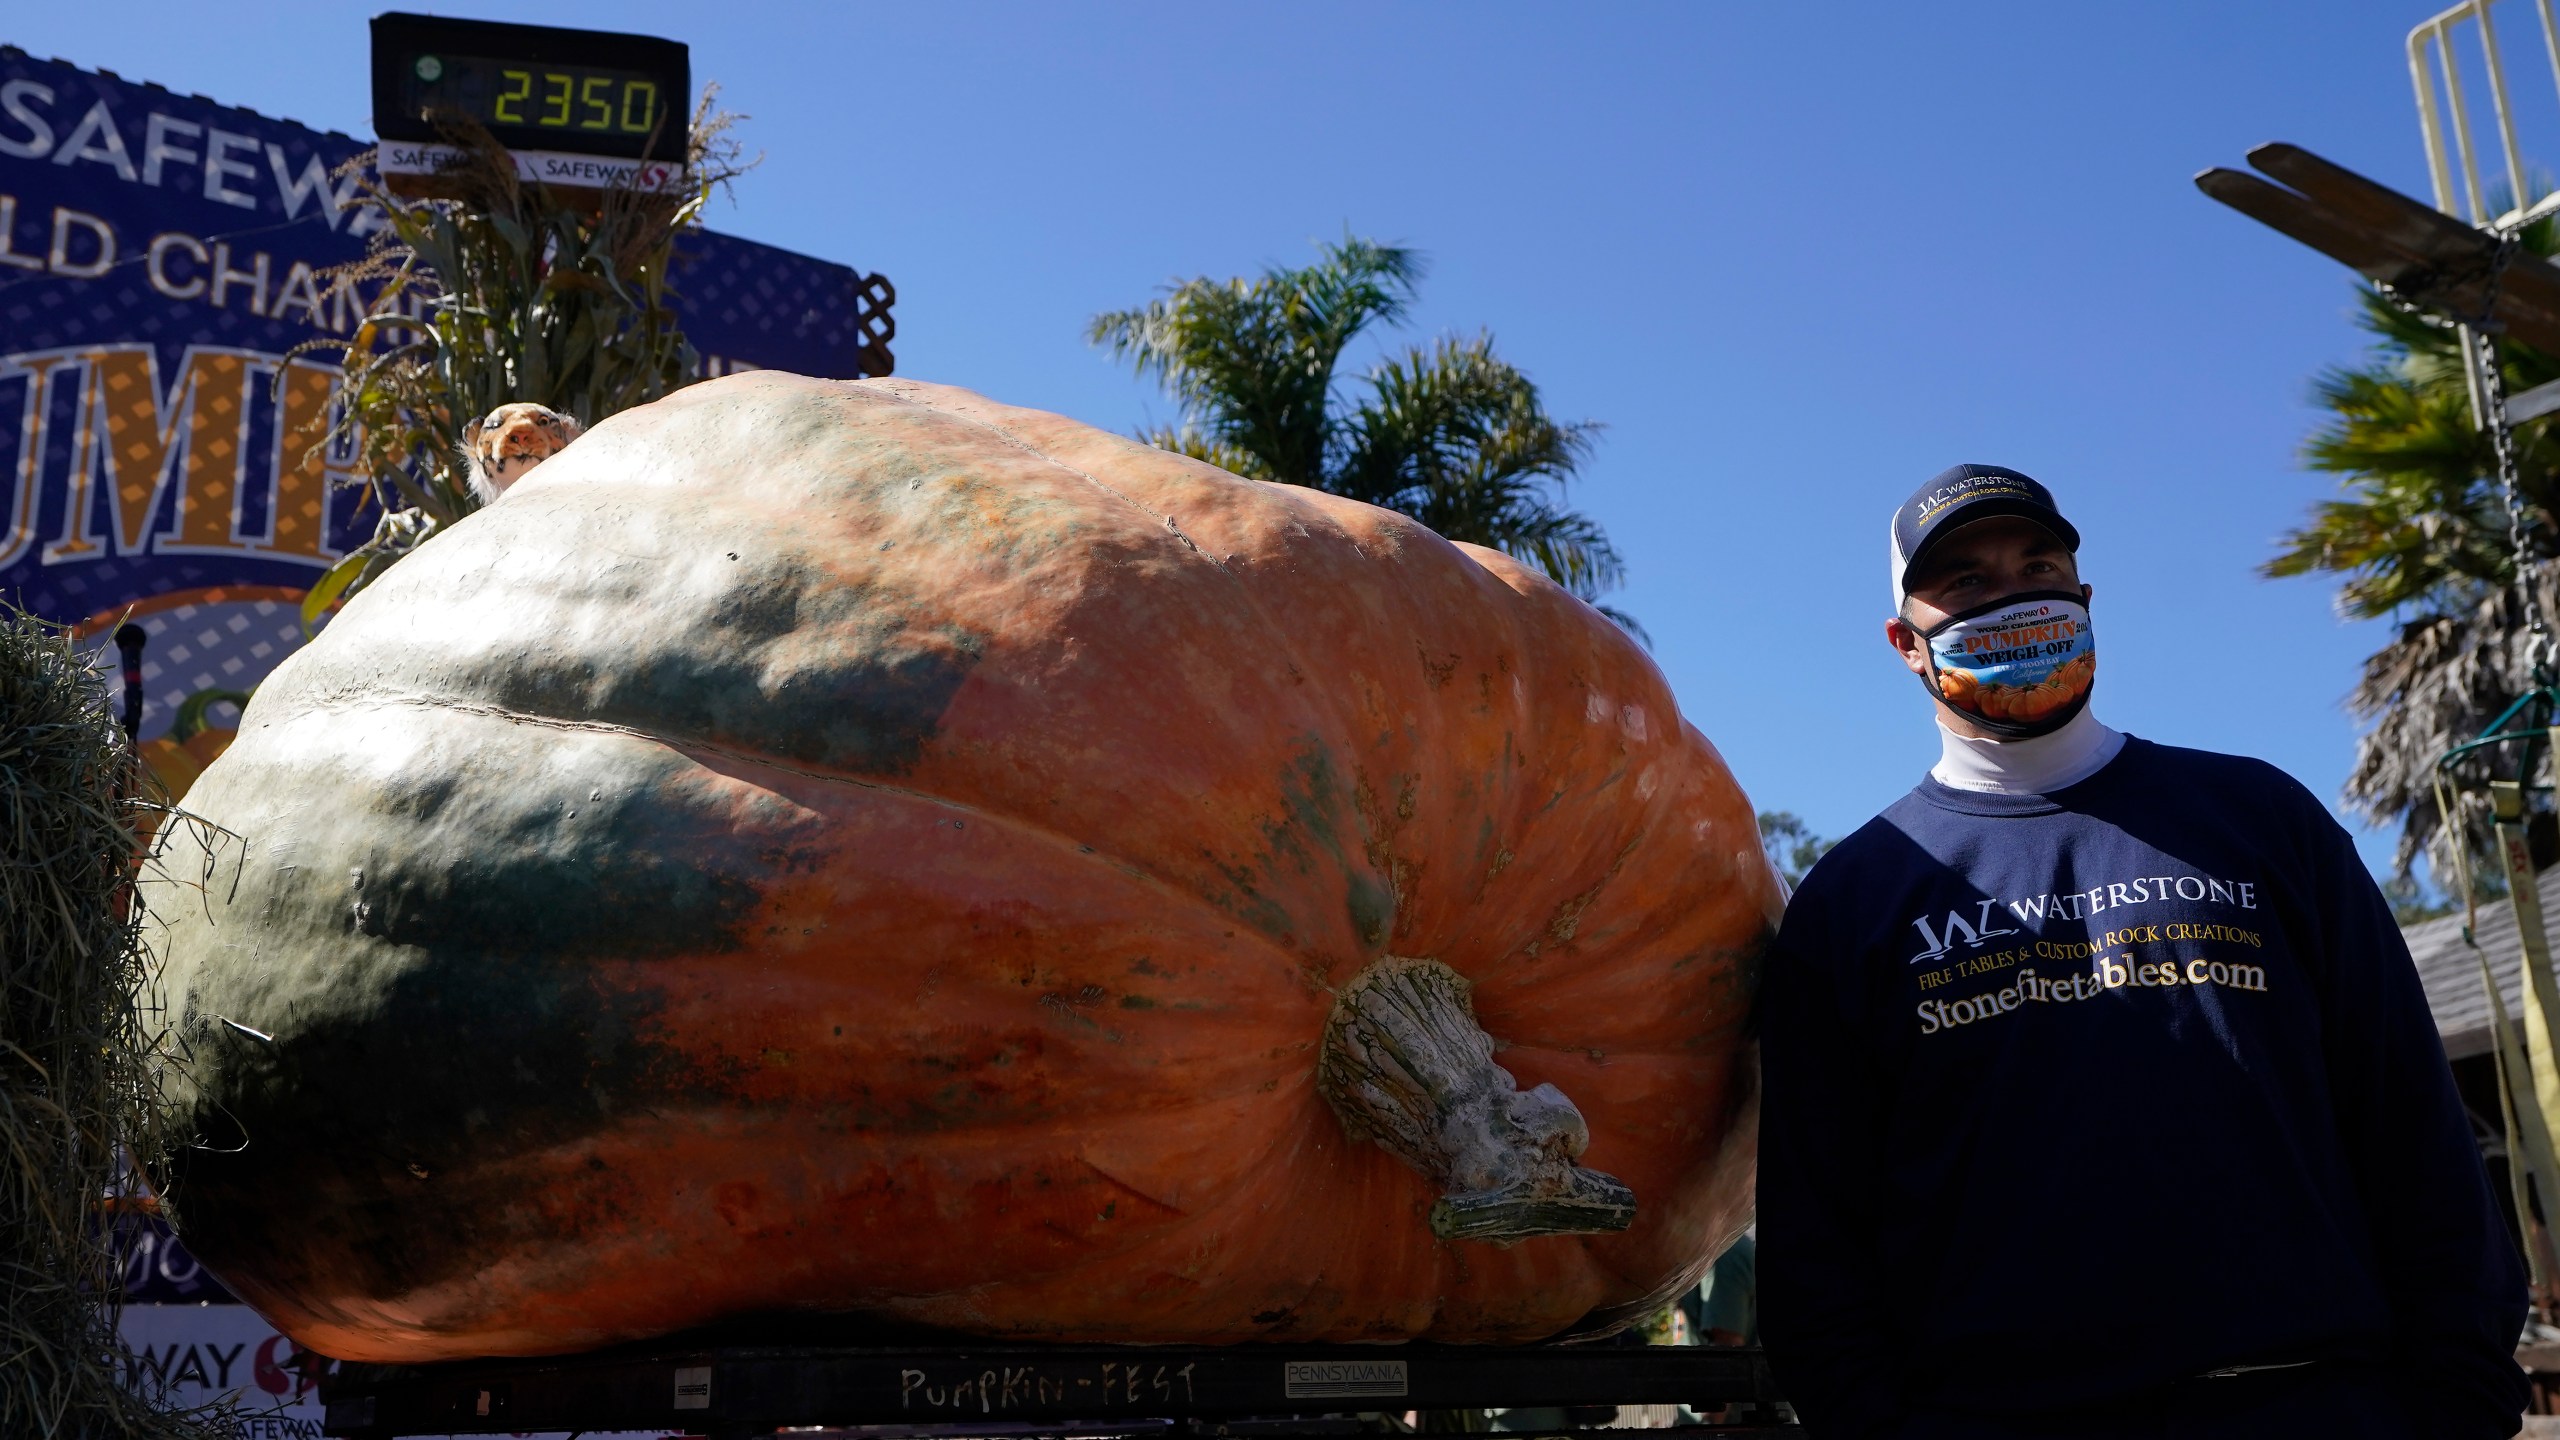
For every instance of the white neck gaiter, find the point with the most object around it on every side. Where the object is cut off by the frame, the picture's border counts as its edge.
(2037, 766)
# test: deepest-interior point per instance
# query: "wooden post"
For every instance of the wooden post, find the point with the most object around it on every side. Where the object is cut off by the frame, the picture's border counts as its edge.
(2541, 989)
(2539, 1100)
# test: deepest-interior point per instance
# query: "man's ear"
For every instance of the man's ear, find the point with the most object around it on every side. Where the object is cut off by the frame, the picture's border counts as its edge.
(2086, 592)
(1907, 643)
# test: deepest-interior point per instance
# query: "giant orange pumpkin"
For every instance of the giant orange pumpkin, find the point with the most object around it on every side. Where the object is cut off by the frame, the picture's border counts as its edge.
(857, 847)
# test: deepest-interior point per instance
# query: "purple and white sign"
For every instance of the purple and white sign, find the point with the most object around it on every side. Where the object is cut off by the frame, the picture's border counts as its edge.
(161, 255)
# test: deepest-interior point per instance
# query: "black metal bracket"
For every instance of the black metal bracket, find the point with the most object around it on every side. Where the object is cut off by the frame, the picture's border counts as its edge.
(130, 638)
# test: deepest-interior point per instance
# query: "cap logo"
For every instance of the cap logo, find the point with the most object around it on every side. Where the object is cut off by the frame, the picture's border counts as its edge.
(1937, 501)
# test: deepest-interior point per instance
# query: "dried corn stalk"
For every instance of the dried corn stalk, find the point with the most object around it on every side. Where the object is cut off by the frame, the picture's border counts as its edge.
(509, 293)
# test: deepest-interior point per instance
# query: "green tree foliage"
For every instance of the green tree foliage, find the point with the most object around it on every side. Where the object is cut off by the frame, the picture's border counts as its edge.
(2419, 521)
(1448, 433)
(1791, 844)
(2412, 903)
(2418, 535)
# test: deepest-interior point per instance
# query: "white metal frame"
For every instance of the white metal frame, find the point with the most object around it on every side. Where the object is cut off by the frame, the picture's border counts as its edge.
(2528, 1062)
(2432, 57)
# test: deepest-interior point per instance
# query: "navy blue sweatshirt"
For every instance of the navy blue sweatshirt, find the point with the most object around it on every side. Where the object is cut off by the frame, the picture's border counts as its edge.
(2073, 1096)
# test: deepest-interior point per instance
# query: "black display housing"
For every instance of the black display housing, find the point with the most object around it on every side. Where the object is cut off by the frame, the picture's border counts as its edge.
(627, 96)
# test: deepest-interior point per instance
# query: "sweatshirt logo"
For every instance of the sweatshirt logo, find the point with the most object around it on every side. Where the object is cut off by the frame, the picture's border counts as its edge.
(1942, 942)
(1944, 938)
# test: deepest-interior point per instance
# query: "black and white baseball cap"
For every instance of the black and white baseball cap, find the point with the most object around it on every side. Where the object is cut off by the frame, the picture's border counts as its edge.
(1958, 496)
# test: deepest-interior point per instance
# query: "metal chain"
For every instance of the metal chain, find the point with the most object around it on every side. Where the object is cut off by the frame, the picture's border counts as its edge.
(2493, 398)
(2483, 330)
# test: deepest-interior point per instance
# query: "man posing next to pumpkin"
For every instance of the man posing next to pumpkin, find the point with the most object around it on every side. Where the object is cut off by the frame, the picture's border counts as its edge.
(2102, 1098)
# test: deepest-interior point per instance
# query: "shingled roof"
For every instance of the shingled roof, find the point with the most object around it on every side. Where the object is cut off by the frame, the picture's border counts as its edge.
(2450, 969)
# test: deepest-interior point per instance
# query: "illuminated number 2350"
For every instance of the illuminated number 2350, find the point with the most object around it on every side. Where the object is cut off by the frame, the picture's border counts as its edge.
(568, 103)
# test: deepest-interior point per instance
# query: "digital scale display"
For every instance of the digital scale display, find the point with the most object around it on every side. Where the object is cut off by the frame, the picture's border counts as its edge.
(534, 87)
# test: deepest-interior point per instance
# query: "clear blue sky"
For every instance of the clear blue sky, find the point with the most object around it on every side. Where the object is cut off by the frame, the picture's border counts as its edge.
(1796, 257)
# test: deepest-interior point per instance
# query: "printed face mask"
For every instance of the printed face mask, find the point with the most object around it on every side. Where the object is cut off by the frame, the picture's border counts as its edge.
(2019, 666)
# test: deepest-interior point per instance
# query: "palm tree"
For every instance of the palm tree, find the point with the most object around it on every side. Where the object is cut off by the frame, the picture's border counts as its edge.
(2419, 535)
(1448, 433)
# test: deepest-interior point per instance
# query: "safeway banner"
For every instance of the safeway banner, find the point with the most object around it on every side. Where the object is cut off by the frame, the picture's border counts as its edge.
(189, 1357)
(161, 256)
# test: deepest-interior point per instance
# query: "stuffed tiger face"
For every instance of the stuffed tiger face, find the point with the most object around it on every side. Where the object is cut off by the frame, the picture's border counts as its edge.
(504, 447)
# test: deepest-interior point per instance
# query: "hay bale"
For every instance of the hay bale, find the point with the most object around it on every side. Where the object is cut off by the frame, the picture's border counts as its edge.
(79, 1038)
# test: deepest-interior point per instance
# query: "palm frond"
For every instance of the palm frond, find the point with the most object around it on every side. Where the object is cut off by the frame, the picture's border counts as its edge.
(1626, 622)
(1189, 440)
(1252, 362)
(2444, 676)
(2419, 531)
(1449, 433)
(1459, 439)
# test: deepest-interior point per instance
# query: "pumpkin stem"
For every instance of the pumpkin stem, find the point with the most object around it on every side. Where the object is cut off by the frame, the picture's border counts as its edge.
(1406, 1065)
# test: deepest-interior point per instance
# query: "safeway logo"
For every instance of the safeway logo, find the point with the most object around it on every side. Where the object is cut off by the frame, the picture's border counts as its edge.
(549, 167)
(1942, 942)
